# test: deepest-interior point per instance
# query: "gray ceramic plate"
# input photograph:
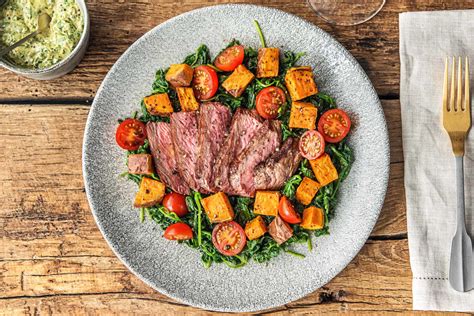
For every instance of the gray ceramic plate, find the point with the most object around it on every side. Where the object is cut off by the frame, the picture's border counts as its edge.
(176, 270)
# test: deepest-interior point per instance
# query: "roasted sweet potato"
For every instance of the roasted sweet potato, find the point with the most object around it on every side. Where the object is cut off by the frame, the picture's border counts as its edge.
(149, 193)
(256, 228)
(218, 208)
(268, 62)
(187, 100)
(307, 190)
(280, 230)
(300, 83)
(324, 170)
(140, 164)
(313, 218)
(179, 75)
(303, 115)
(158, 104)
(236, 83)
(266, 203)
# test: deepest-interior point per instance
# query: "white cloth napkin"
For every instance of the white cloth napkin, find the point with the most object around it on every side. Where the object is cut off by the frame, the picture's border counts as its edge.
(426, 38)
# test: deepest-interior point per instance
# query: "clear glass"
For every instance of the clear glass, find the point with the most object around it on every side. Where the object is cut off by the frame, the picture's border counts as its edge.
(346, 12)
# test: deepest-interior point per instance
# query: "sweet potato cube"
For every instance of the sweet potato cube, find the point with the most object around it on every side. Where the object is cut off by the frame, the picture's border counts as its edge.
(313, 218)
(140, 164)
(280, 230)
(256, 228)
(307, 190)
(158, 104)
(218, 208)
(149, 193)
(268, 62)
(187, 100)
(266, 203)
(324, 170)
(179, 75)
(300, 83)
(236, 83)
(303, 115)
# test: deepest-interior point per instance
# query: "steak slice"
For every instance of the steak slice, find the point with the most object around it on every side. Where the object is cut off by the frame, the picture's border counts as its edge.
(140, 164)
(162, 150)
(214, 122)
(280, 230)
(273, 173)
(263, 144)
(184, 134)
(245, 123)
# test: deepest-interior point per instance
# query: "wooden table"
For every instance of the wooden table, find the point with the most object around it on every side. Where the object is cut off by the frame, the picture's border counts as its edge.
(53, 258)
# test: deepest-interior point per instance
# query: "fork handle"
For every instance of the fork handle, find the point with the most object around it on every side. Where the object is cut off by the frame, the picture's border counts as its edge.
(461, 225)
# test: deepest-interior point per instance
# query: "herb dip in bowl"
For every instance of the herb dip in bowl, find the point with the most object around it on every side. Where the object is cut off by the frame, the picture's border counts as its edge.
(52, 53)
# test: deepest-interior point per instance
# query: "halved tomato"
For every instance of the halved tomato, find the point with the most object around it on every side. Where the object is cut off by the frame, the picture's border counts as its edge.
(229, 238)
(312, 144)
(287, 211)
(176, 203)
(178, 231)
(205, 82)
(230, 58)
(130, 134)
(268, 101)
(334, 125)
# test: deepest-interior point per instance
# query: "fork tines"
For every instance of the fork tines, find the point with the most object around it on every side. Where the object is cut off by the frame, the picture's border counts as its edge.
(453, 97)
(457, 105)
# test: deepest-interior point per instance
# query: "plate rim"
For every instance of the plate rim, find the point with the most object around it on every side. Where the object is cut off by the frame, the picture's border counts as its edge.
(384, 180)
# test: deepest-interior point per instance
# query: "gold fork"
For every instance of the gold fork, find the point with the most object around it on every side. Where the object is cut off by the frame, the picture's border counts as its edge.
(457, 121)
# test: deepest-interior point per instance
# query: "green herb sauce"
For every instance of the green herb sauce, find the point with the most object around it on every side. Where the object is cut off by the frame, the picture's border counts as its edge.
(18, 18)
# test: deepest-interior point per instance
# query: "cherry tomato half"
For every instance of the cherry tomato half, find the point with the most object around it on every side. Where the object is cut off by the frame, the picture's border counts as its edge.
(334, 125)
(176, 203)
(268, 101)
(178, 231)
(312, 144)
(229, 238)
(287, 211)
(131, 134)
(205, 82)
(230, 58)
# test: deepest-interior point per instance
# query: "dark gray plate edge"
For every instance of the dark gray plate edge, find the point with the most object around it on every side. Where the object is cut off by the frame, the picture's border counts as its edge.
(291, 297)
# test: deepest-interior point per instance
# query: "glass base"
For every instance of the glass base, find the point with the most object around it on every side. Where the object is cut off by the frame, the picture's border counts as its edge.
(346, 12)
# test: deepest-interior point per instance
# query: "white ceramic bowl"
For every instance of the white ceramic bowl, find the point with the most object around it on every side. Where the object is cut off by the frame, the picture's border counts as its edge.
(64, 66)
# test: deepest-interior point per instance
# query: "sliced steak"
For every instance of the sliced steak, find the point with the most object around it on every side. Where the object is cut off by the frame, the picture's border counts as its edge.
(140, 164)
(214, 122)
(272, 174)
(279, 230)
(245, 123)
(162, 150)
(261, 146)
(184, 133)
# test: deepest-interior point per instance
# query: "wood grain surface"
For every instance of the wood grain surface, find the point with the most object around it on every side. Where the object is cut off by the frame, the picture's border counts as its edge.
(117, 24)
(53, 259)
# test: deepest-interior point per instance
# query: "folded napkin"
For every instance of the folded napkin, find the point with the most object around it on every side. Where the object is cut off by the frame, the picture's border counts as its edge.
(426, 38)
